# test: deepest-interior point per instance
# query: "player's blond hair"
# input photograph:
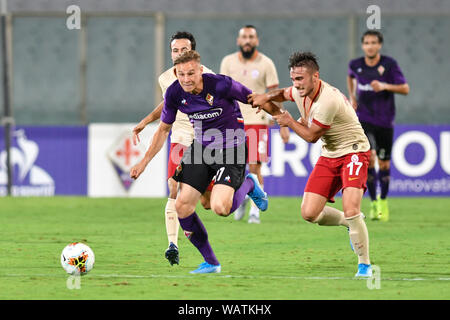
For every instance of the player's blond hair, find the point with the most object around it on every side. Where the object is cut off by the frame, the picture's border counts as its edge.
(187, 57)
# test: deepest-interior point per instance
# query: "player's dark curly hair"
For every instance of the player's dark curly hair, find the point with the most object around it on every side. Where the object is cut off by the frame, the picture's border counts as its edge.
(184, 35)
(376, 33)
(303, 59)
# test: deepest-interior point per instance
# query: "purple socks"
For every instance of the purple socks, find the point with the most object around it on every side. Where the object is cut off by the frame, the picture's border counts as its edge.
(240, 193)
(384, 176)
(195, 231)
(372, 180)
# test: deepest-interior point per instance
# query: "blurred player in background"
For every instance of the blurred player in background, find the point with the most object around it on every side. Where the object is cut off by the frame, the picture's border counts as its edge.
(376, 79)
(181, 137)
(258, 73)
(218, 150)
(327, 114)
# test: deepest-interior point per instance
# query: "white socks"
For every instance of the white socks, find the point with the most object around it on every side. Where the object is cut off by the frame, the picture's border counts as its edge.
(331, 217)
(172, 223)
(254, 211)
(358, 233)
(359, 237)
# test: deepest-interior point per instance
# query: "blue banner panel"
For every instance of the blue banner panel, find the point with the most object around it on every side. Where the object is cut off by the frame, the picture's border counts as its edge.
(420, 163)
(46, 161)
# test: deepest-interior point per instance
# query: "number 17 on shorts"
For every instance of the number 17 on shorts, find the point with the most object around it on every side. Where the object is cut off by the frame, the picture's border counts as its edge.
(355, 172)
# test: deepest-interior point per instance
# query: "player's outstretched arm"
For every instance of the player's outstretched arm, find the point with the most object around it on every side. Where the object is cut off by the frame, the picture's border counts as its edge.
(309, 134)
(271, 108)
(152, 116)
(395, 88)
(264, 100)
(258, 99)
(159, 138)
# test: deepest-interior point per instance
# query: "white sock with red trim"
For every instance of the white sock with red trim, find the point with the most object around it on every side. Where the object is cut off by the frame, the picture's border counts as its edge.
(331, 217)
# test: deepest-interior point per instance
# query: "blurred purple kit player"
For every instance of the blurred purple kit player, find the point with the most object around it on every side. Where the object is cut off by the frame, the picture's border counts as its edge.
(378, 78)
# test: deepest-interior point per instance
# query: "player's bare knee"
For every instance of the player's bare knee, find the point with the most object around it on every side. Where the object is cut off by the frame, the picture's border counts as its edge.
(348, 213)
(184, 209)
(309, 218)
(220, 209)
(308, 214)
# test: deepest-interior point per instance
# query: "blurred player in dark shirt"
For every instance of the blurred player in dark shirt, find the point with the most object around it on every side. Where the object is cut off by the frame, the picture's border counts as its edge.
(372, 81)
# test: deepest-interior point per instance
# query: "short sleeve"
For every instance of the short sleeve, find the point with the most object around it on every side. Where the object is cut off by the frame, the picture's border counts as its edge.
(350, 71)
(397, 74)
(223, 67)
(162, 86)
(325, 113)
(231, 89)
(271, 74)
(238, 91)
(290, 93)
(169, 111)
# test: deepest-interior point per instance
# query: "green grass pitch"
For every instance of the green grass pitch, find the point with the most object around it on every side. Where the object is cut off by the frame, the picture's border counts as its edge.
(283, 258)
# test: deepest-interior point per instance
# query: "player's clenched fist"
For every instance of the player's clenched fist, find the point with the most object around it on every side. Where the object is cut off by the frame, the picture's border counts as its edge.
(378, 85)
(284, 119)
(257, 100)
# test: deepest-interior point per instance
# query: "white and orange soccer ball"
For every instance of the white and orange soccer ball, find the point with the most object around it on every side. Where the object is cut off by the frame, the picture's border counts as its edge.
(77, 259)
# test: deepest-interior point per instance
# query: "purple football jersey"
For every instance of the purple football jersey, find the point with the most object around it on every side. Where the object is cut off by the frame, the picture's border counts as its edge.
(377, 108)
(214, 112)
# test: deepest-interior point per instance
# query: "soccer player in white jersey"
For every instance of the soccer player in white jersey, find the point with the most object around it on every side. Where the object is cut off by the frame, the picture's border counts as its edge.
(257, 72)
(181, 138)
(326, 114)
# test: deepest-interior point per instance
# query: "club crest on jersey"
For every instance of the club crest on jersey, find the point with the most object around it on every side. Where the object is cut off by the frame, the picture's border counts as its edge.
(210, 99)
(355, 158)
(184, 102)
(380, 70)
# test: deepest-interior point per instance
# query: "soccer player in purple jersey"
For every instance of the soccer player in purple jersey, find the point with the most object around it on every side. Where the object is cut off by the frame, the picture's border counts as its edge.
(218, 150)
(372, 81)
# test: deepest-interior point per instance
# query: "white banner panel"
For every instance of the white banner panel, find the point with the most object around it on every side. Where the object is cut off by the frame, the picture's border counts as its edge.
(111, 154)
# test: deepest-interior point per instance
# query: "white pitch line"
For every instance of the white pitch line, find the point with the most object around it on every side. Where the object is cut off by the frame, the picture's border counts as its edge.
(131, 276)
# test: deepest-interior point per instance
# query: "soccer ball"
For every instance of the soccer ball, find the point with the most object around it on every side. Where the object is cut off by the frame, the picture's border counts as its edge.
(77, 259)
